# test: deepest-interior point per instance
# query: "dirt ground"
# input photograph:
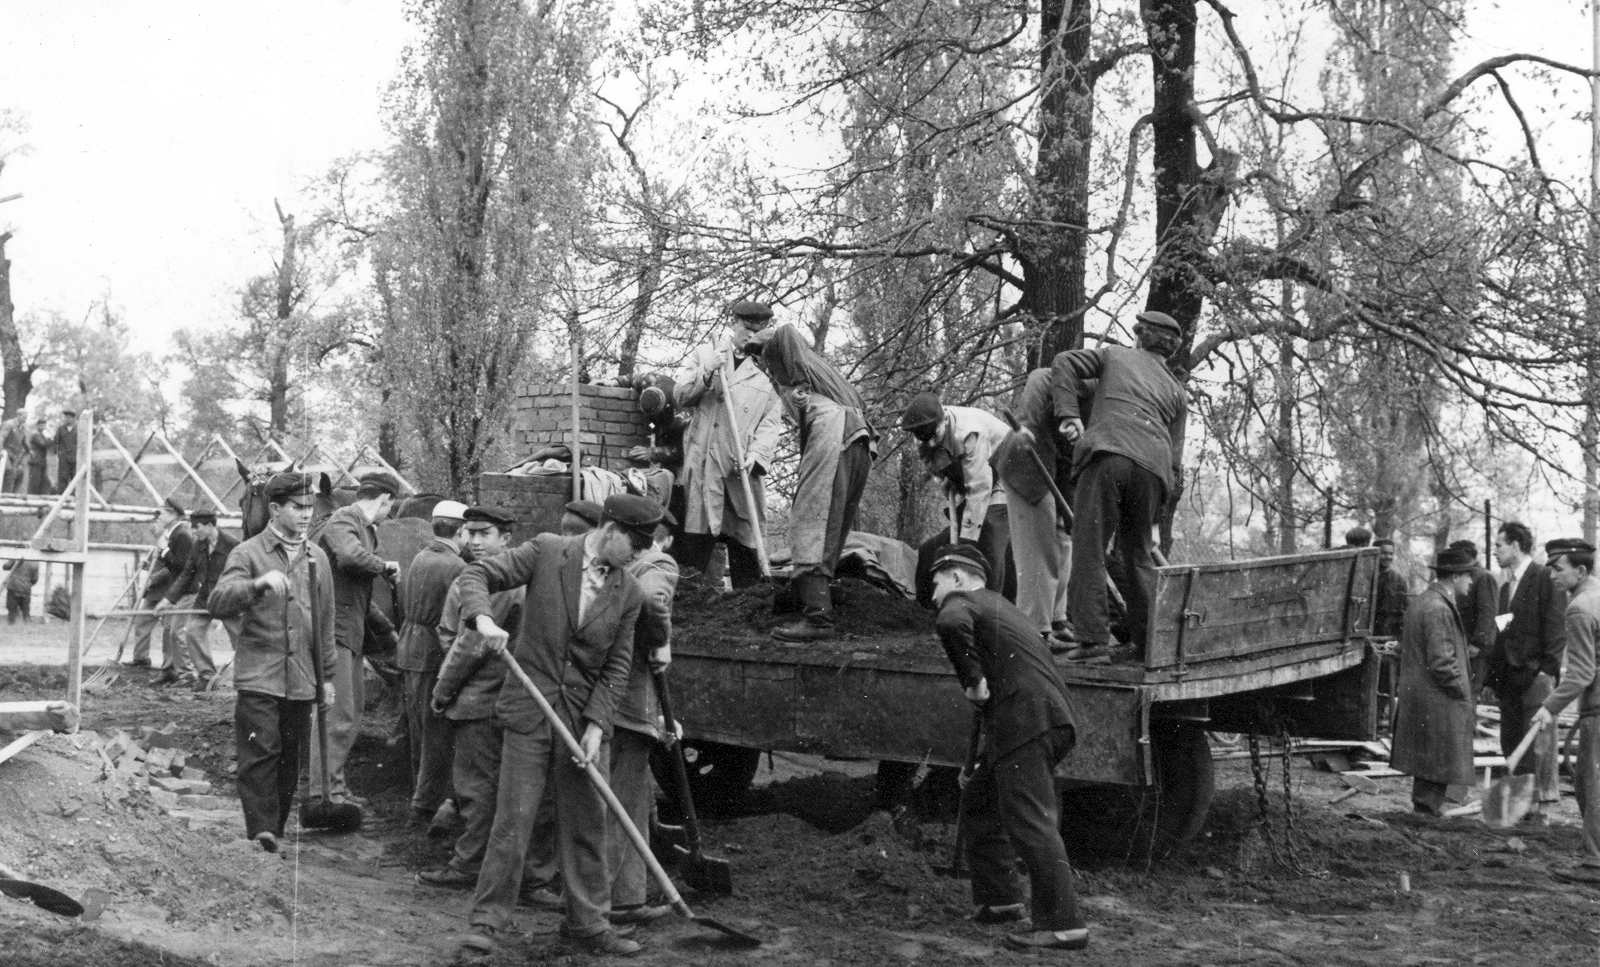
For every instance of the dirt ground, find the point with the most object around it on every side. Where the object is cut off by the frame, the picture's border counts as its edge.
(867, 895)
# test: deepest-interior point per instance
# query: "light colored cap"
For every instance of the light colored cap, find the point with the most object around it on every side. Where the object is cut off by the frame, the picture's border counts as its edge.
(449, 510)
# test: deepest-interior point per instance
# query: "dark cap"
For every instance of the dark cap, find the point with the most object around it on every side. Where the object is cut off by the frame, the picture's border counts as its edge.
(961, 555)
(203, 517)
(1383, 542)
(69, 412)
(1465, 545)
(653, 400)
(1453, 560)
(1161, 321)
(489, 515)
(632, 512)
(924, 410)
(1357, 536)
(587, 509)
(378, 480)
(285, 485)
(1567, 545)
(755, 314)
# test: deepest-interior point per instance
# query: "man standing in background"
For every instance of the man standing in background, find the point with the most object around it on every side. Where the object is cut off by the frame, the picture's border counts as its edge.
(194, 584)
(1390, 608)
(14, 441)
(39, 444)
(1525, 662)
(422, 597)
(1478, 607)
(165, 564)
(66, 449)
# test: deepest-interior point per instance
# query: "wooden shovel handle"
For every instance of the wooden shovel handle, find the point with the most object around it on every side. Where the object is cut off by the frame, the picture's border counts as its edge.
(1522, 748)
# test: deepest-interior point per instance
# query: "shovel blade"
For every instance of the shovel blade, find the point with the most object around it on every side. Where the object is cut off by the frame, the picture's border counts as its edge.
(341, 817)
(42, 896)
(1507, 801)
(705, 874)
(738, 938)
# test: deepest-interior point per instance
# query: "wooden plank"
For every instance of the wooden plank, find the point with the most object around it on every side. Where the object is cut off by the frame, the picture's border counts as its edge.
(80, 536)
(50, 715)
(199, 481)
(133, 461)
(42, 556)
(22, 742)
(60, 503)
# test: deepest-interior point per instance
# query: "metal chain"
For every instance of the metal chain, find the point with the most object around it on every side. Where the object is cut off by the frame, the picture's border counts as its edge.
(1263, 811)
(1288, 857)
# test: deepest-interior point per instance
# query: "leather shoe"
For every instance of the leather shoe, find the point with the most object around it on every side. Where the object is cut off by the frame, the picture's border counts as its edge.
(1049, 939)
(541, 897)
(448, 877)
(802, 631)
(476, 947)
(444, 820)
(1006, 913)
(268, 842)
(1089, 654)
(606, 943)
(644, 913)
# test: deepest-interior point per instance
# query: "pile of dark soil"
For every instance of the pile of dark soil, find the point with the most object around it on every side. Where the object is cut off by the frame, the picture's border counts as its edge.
(860, 610)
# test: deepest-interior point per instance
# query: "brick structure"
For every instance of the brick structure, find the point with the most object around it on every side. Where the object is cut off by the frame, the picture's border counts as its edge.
(543, 418)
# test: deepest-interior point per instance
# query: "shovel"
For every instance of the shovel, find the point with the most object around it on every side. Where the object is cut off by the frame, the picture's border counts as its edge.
(673, 897)
(46, 898)
(707, 874)
(324, 813)
(1510, 798)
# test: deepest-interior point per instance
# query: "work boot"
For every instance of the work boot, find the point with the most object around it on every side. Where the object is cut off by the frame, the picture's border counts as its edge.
(817, 625)
(1005, 913)
(269, 842)
(1049, 939)
(449, 877)
(606, 943)
(540, 897)
(444, 820)
(803, 630)
(476, 947)
(643, 913)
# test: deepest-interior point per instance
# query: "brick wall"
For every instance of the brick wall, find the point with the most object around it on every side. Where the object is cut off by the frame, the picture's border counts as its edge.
(544, 417)
(536, 501)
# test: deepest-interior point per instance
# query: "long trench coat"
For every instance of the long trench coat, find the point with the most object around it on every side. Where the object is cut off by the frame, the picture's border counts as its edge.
(1435, 721)
(715, 498)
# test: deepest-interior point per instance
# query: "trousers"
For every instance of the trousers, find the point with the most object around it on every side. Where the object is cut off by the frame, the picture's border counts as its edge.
(197, 649)
(531, 762)
(695, 550)
(1586, 782)
(1541, 760)
(1115, 498)
(630, 780)
(476, 776)
(1013, 811)
(269, 736)
(432, 752)
(18, 604)
(344, 723)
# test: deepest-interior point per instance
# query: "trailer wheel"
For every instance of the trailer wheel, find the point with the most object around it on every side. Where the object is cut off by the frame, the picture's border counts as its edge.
(718, 775)
(1136, 826)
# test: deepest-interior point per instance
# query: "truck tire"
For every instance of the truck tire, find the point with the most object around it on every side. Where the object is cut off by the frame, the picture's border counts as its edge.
(1105, 825)
(718, 775)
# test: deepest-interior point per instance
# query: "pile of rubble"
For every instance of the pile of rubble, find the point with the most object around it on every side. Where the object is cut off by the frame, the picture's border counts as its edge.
(155, 760)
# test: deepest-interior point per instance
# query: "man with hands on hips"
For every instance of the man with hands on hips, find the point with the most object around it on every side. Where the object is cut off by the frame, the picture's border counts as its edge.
(577, 648)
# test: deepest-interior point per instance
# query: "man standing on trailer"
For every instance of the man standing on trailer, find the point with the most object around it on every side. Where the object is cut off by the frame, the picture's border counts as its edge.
(715, 505)
(1435, 718)
(1010, 798)
(349, 538)
(957, 445)
(267, 587)
(1126, 466)
(1525, 662)
(1571, 564)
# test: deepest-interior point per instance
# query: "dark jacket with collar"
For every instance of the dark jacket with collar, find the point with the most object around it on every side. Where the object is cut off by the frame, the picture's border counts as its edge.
(582, 670)
(1435, 715)
(470, 678)
(199, 575)
(166, 568)
(1140, 410)
(985, 636)
(350, 539)
(1478, 608)
(422, 596)
(1535, 639)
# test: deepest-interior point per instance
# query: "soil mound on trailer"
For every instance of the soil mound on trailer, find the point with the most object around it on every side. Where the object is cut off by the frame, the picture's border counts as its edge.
(860, 610)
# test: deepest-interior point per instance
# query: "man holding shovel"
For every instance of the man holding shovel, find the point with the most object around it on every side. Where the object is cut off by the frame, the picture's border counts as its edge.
(1571, 564)
(266, 585)
(576, 647)
(1434, 724)
(723, 376)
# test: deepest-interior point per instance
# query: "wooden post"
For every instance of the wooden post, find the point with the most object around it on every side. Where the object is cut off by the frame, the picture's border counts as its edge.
(67, 492)
(576, 462)
(1327, 524)
(1488, 530)
(372, 452)
(80, 538)
(199, 481)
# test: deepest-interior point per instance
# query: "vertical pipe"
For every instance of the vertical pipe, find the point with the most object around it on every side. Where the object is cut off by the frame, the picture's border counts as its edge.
(1488, 531)
(1589, 437)
(80, 541)
(577, 419)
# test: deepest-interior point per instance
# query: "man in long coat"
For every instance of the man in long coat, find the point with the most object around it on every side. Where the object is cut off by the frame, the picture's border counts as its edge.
(714, 505)
(39, 445)
(1435, 720)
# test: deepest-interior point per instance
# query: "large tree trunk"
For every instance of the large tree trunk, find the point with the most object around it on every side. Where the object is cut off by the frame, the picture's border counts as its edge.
(1053, 258)
(646, 283)
(18, 374)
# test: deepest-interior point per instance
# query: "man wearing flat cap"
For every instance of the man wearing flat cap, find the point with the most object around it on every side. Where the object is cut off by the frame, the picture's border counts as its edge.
(1571, 563)
(577, 647)
(422, 596)
(208, 556)
(171, 553)
(278, 586)
(1126, 466)
(66, 441)
(40, 443)
(715, 508)
(464, 694)
(1435, 716)
(1026, 718)
(579, 517)
(350, 539)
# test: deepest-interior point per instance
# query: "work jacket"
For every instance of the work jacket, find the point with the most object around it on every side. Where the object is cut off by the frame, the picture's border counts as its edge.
(961, 455)
(581, 669)
(203, 569)
(710, 475)
(274, 651)
(349, 539)
(1580, 681)
(1536, 637)
(422, 595)
(1139, 408)
(657, 574)
(39, 444)
(987, 637)
(24, 575)
(1435, 718)
(470, 678)
(172, 553)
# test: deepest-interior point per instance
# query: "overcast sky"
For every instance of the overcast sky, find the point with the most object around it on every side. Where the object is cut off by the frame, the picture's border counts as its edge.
(162, 130)
(160, 133)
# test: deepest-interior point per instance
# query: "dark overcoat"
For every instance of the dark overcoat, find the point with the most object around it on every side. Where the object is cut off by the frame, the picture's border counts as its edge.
(1435, 721)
